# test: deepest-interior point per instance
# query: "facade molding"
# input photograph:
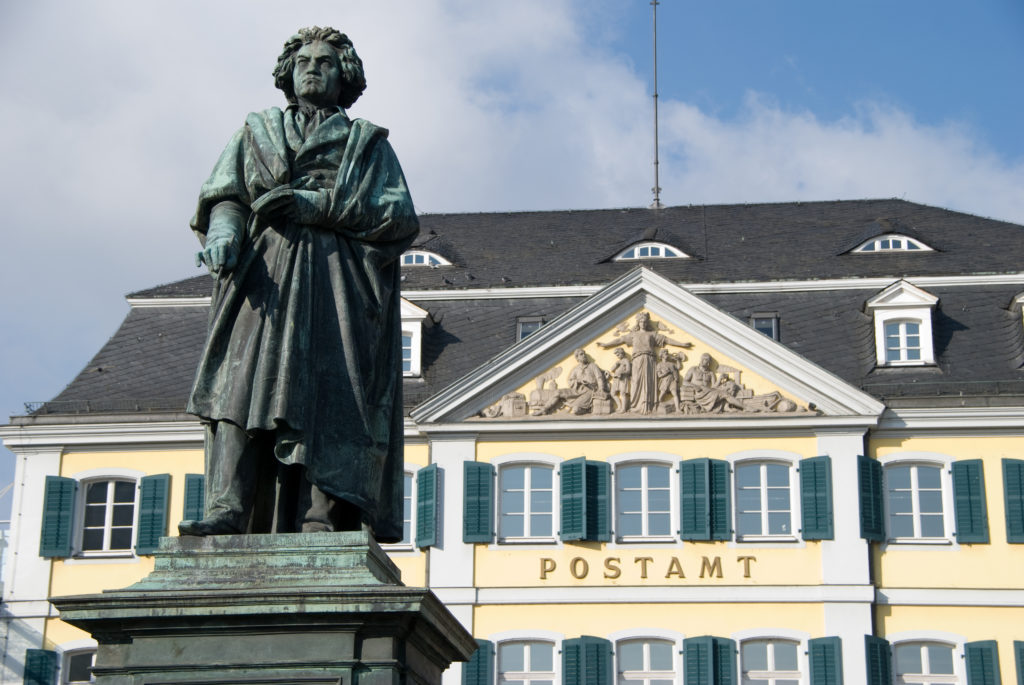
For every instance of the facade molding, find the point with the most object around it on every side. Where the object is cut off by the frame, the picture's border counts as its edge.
(949, 597)
(946, 420)
(695, 594)
(150, 302)
(20, 437)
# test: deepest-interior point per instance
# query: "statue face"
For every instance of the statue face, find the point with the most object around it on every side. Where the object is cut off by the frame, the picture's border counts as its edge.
(317, 74)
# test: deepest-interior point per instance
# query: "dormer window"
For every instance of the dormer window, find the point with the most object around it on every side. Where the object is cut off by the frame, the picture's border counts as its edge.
(903, 325)
(412, 337)
(892, 242)
(423, 258)
(651, 250)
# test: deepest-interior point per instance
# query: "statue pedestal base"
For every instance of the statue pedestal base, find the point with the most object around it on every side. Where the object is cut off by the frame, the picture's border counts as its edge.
(318, 608)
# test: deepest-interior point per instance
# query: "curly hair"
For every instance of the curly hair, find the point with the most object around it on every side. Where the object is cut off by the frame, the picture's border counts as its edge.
(353, 81)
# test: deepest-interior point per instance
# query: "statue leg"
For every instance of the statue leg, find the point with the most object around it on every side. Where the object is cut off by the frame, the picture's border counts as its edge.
(231, 474)
(323, 513)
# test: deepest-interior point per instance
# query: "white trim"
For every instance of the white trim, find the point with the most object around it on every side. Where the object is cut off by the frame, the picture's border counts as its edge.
(774, 635)
(702, 592)
(150, 302)
(546, 636)
(949, 597)
(117, 434)
(663, 247)
(943, 420)
(649, 634)
(101, 473)
(410, 546)
(827, 284)
(903, 302)
(426, 253)
(644, 458)
(921, 247)
(944, 463)
(956, 642)
(792, 459)
(527, 459)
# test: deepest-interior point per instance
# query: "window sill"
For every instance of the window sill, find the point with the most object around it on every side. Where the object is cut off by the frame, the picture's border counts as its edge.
(102, 558)
(645, 539)
(931, 542)
(528, 541)
(767, 538)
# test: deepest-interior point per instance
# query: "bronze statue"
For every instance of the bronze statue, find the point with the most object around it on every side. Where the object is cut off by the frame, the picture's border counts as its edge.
(302, 223)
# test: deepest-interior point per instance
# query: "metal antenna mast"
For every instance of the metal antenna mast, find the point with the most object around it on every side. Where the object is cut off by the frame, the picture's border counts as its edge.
(656, 189)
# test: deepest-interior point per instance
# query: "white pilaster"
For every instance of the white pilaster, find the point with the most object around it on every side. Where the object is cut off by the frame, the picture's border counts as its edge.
(850, 622)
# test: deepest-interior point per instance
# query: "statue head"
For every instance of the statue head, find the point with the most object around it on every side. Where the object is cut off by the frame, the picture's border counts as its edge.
(663, 354)
(351, 80)
(643, 321)
(705, 360)
(620, 353)
(581, 355)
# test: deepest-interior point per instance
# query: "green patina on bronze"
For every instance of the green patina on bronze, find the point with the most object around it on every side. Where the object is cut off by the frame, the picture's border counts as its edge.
(302, 223)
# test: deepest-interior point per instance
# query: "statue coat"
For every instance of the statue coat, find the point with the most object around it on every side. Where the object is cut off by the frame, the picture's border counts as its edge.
(304, 335)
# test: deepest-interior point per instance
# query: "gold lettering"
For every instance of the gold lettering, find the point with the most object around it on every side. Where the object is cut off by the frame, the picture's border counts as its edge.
(576, 564)
(712, 567)
(547, 565)
(612, 564)
(643, 561)
(746, 564)
(675, 569)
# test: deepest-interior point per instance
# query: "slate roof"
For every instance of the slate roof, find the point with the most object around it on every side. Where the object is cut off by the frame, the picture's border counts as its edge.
(148, 364)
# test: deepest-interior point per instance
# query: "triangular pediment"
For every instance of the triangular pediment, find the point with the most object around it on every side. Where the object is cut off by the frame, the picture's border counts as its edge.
(645, 348)
(902, 294)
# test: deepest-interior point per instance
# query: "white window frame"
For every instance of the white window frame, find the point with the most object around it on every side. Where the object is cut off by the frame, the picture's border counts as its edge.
(664, 251)
(766, 316)
(555, 639)
(777, 634)
(934, 636)
(659, 634)
(413, 319)
(427, 256)
(528, 459)
(646, 459)
(70, 649)
(84, 479)
(410, 544)
(528, 320)
(903, 302)
(874, 245)
(901, 352)
(794, 486)
(933, 459)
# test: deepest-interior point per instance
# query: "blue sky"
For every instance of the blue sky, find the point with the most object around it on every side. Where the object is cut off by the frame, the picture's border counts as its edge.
(114, 112)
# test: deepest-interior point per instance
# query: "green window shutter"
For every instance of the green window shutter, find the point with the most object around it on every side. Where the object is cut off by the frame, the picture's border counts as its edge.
(698, 661)
(479, 670)
(816, 498)
(598, 509)
(573, 483)
(982, 663)
(1018, 658)
(872, 518)
(586, 660)
(969, 501)
(478, 502)
(58, 516)
(721, 528)
(40, 667)
(694, 500)
(426, 506)
(825, 655)
(195, 496)
(153, 493)
(724, 652)
(1013, 496)
(878, 655)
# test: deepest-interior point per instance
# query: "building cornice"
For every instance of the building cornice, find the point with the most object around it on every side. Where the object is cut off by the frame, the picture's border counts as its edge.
(21, 437)
(966, 420)
(146, 302)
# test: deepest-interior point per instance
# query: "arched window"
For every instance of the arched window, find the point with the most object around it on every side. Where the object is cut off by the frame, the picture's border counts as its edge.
(891, 242)
(77, 667)
(769, 662)
(108, 515)
(645, 662)
(650, 250)
(643, 500)
(525, 501)
(764, 502)
(423, 258)
(526, 662)
(914, 500)
(924, 663)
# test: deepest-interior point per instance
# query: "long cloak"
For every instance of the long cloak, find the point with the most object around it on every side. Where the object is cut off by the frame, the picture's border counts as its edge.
(304, 335)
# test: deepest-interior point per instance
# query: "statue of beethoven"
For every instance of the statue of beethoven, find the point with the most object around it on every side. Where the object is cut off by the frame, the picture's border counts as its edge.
(302, 224)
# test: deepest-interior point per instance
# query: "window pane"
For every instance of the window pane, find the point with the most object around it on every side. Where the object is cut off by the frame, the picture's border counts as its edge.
(778, 499)
(631, 656)
(748, 475)
(97, 493)
(628, 476)
(121, 538)
(657, 476)
(901, 526)
(748, 500)
(755, 656)
(629, 524)
(540, 501)
(778, 523)
(540, 657)
(785, 656)
(644, 251)
(776, 475)
(510, 657)
(931, 526)
(931, 502)
(79, 667)
(540, 477)
(940, 659)
(658, 500)
(929, 477)
(659, 524)
(513, 478)
(908, 659)
(95, 516)
(512, 525)
(540, 525)
(629, 500)
(899, 477)
(512, 502)
(661, 656)
(630, 254)
(124, 514)
(749, 524)
(92, 539)
(124, 492)
(913, 354)
(900, 502)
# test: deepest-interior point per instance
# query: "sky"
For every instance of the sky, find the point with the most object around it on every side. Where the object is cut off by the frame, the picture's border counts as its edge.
(113, 113)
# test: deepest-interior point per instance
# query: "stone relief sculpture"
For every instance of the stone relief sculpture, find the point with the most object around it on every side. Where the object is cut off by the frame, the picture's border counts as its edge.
(648, 382)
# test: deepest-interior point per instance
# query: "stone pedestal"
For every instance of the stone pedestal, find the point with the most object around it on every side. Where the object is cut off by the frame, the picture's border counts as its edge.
(320, 608)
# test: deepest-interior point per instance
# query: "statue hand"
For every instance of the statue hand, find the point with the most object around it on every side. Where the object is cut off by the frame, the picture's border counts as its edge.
(285, 203)
(218, 255)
